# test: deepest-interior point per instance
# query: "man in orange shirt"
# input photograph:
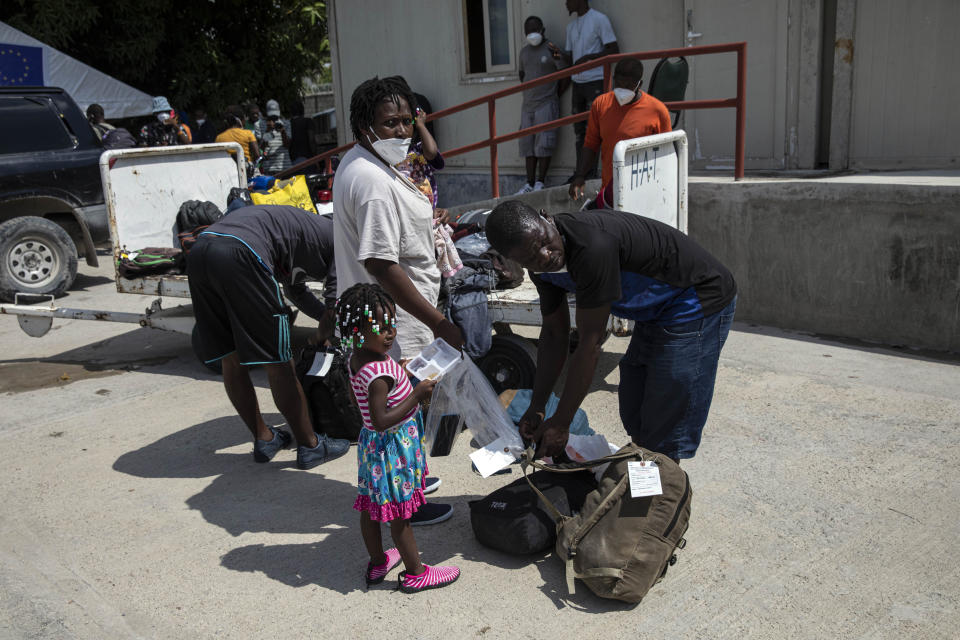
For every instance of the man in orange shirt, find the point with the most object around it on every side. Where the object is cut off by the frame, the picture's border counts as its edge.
(621, 114)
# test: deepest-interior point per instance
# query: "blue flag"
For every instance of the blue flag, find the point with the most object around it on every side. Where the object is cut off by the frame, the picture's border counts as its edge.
(20, 65)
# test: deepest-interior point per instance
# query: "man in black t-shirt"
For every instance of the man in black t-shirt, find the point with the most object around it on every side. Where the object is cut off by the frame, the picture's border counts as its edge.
(236, 269)
(681, 298)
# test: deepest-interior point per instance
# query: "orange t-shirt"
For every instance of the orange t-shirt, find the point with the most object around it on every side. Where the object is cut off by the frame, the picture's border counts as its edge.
(609, 123)
(243, 136)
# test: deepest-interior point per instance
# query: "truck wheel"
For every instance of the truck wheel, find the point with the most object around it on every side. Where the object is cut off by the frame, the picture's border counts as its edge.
(215, 366)
(36, 256)
(510, 363)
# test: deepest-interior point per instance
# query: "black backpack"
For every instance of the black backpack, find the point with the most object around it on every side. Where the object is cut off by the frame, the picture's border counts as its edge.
(118, 138)
(333, 409)
(151, 261)
(513, 520)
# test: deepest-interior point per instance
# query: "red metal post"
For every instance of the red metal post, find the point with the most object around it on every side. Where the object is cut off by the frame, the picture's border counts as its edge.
(494, 167)
(741, 110)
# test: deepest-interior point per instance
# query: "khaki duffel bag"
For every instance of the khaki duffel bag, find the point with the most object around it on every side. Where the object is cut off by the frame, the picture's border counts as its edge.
(618, 545)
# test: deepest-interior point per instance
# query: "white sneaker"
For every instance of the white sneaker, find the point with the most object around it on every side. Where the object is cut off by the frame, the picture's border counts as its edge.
(526, 189)
(537, 186)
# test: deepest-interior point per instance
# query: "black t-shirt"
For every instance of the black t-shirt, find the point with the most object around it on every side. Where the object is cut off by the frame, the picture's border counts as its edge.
(647, 270)
(293, 244)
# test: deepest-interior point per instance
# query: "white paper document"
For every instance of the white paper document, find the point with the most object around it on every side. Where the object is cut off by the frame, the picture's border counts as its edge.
(493, 457)
(644, 479)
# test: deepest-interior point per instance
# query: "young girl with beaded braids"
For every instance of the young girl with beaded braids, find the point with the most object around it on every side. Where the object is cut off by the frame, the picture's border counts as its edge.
(392, 464)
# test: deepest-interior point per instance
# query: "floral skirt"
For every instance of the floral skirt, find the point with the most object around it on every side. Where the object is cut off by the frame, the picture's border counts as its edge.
(392, 469)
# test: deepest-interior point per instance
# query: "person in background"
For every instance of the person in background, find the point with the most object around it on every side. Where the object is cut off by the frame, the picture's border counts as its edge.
(236, 132)
(276, 141)
(303, 135)
(423, 157)
(205, 131)
(621, 114)
(540, 104)
(589, 36)
(167, 131)
(254, 122)
(95, 117)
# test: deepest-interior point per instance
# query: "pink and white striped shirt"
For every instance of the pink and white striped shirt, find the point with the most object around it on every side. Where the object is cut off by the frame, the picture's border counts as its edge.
(381, 369)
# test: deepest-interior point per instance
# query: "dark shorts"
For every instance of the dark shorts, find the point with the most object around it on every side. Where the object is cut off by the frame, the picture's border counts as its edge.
(667, 377)
(237, 303)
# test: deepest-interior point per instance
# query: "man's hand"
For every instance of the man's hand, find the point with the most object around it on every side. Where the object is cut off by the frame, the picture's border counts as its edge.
(555, 50)
(440, 216)
(576, 187)
(450, 333)
(551, 437)
(529, 424)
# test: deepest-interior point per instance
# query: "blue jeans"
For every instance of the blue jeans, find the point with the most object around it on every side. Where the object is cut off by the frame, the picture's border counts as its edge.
(666, 382)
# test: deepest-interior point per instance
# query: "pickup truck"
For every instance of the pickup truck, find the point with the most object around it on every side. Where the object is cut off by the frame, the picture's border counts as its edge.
(144, 189)
(51, 198)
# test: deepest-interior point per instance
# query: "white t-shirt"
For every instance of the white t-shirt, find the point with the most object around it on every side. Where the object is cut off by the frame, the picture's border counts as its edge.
(588, 34)
(379, 213)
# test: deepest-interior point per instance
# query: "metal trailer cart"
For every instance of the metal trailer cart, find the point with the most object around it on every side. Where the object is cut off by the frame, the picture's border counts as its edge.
(143, 190)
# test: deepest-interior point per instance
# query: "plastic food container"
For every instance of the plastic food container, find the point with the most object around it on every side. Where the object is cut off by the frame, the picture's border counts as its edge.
(436, 359)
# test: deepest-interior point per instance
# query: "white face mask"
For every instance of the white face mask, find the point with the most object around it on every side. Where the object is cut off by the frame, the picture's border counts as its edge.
(392, 150)
(626, 96)
(200, 121)
(163, 116)
(535, 38)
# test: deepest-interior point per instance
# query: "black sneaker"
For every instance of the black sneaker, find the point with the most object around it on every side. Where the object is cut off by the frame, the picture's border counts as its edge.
(263, 451)
(431, 513)
(327, 449)
(431, 484)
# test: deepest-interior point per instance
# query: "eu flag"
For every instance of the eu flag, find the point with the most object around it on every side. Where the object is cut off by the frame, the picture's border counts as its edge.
(21, 65)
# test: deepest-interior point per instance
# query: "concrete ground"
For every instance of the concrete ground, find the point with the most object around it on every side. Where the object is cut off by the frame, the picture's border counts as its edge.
(826, 504)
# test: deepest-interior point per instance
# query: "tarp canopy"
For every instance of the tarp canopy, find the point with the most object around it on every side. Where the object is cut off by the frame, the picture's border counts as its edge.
(25, 61)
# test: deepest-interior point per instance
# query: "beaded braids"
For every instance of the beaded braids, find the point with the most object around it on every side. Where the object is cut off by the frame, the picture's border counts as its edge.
(357, 308)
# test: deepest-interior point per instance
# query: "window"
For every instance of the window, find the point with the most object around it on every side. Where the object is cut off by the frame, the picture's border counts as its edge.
(488, 30)
(31, 124)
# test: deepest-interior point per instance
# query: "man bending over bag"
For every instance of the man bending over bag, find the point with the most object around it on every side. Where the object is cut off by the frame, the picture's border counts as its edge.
(235, 270)
(681, 297)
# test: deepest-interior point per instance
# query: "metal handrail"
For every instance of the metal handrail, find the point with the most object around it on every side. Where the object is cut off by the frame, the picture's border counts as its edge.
(738, 103)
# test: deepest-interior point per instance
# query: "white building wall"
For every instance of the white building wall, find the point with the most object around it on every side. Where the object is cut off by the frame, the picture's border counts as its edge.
(892, 99)
(906, 85)
(422, 41)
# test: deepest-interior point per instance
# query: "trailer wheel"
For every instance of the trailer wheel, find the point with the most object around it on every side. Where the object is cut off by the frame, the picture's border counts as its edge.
(510, 364)
(36, 256)
(214, 366)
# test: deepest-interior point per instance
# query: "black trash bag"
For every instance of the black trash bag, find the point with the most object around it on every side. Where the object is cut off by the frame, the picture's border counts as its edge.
(196, 213)
(512, 518)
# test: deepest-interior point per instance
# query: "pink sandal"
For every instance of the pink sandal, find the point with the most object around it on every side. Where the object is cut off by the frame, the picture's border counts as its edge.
(431, 578)
(376, 574)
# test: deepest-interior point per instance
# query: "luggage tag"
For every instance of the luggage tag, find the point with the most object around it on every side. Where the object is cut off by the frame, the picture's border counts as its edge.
(321, 364)
(493, 457)
(644, 479)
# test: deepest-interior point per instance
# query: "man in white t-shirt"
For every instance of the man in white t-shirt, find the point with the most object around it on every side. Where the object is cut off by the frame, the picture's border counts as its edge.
(383, 229)
(589, 36)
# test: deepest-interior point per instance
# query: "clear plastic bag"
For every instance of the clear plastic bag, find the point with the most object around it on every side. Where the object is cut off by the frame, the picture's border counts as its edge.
(474, 244)
(465, 392)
